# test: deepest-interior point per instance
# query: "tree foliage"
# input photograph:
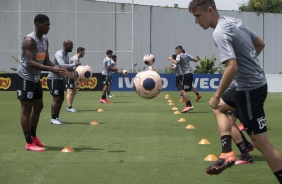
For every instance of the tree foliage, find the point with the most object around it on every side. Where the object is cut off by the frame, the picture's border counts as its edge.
(206, 65)
(262, 6)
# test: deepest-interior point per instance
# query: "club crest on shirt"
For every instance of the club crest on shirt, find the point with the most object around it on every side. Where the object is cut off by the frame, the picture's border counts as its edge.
(29, 95)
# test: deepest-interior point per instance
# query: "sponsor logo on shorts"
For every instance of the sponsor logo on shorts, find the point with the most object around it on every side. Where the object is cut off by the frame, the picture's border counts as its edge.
(71, 86)
(29, 95)
(56, 92)
(186, 87)
(262, 122)
(5, 83)
(19, 92)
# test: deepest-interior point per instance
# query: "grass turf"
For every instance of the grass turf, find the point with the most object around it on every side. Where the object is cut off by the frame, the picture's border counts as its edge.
(137, 141)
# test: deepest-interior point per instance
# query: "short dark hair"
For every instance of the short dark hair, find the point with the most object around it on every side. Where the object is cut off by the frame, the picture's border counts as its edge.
(108, 52)
(183, 51)
(179, 47)
(174, 56)
(114, 56)
(202, 3)
(80, 49)
(41, 18)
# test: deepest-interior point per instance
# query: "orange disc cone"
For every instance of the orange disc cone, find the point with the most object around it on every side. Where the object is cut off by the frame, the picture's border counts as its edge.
(176, 112)
(170, 101)
(204, 141)
(100, 110)
(68, 149)
(182, 120)
(174, 109)
(94, 123)
(211, 157)
(170, 104)
(167, 97)
(190, 127)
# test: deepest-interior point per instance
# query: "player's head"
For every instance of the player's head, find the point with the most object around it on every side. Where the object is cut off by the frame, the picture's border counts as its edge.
(80, 51)
(42, 23)
(109, 53)
(205, 13)
(114, 58)
(68, 45)
(174, 56)
(178, 49)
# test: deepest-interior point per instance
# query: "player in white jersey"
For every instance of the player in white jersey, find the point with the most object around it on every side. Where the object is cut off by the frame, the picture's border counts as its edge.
(185, 76)
(34, 59)
(71, 84)
(238, 48)
(113, 63)
(106, 75)
(56, 83)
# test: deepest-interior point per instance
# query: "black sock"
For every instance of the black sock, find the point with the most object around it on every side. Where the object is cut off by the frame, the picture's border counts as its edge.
(245, 140)
(54, 116)
(33, 131)
(278, 175)
(188, 103)
(103, 97)
(197, 93)
(242, 148)
(226, 143)
(69, 107)
(27, 136)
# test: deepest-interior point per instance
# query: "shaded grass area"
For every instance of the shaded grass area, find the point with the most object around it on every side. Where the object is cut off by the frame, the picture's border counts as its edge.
(137, 141)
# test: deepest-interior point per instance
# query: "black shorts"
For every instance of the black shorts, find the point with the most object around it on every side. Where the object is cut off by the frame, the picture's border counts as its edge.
(107, 80)
(179, 79)
(56, 87)
(28, 90)
(187, 81)
(249, 105)
(70, 83)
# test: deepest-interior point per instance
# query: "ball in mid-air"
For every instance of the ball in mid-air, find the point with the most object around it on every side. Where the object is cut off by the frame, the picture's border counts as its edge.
(83, 73)
(124, 72)
(149, 59)
(148, 84)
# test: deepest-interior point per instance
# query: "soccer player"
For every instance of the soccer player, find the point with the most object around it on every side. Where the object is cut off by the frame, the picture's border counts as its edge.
(56, 83)
(34, 59)
(186, 78)
(106, 75)
(238, 48)
(71, 84)
(113, 63)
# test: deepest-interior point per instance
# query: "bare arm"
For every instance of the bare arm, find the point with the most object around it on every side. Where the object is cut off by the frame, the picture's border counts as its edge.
(259, 45)
(172, 60)
(228, 76)
(195, 60)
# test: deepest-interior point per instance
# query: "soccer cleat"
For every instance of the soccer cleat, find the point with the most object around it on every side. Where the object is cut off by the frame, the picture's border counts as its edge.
(182, 100)
(241, 127)
(111, 96)
(187, 109)
(198, 97)
(225, 160)
(33, 147)
(105, 101)
(249, 148)
(244, 160)
(37, 141)
(56, 122)
(60, 120)
(71, 109)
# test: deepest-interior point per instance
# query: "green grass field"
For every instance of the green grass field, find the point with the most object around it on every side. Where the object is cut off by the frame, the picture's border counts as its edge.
(137, 141)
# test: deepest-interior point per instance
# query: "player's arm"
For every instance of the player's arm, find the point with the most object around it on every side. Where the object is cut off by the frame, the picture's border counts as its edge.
(61, 62)
(174, 61)
(259, 44)
(170, 67)
(195, 60)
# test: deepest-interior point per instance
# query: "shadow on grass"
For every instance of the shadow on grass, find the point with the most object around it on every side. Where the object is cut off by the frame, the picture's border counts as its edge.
(258, 158)
(83, 149)
(122, 102)
(87, 110)
(81, 123)
(116, 151)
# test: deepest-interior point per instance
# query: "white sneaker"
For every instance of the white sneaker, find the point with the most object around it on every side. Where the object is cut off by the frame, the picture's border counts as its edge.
(60, 120)
(56, 122)
(71, 109)
(110, 96)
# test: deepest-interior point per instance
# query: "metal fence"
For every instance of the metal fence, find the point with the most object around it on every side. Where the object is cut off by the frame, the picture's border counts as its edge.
(131, 31)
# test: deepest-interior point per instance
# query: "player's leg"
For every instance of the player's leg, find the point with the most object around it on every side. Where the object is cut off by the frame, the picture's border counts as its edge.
(199, 96)
(57, 91)
(178, 85)
(187, 86)
(254, 121)
(105, 80)
(227, 157)
(25, 90)
(71, 92)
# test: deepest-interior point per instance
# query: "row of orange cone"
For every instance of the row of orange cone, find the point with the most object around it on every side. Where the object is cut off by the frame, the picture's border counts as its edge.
(210, 157)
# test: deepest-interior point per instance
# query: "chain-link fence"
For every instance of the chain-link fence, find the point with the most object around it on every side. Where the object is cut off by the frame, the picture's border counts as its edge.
(96, 26)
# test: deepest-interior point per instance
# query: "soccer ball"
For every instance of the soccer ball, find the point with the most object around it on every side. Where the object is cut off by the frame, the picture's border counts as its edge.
(148, 84)
(124, 72)
(83, 73)
(149, 59)
(152, 68)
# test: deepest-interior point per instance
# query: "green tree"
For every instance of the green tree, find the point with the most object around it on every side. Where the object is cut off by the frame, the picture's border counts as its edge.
(206, 65)
(262, 6)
